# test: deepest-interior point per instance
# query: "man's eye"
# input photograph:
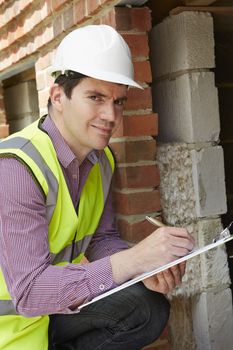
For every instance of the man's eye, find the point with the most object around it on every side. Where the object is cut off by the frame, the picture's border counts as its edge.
(94, 98)
(119, 102)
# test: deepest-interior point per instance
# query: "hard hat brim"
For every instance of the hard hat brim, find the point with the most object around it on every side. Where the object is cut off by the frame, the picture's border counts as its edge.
(105, 76)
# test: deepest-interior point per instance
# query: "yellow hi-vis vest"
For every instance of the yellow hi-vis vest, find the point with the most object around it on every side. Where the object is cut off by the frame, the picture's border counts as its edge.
(34, 148)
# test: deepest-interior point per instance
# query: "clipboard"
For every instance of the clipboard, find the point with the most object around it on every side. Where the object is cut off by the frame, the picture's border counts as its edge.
(222, 238)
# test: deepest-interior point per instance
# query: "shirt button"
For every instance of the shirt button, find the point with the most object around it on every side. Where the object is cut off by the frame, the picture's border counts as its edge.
(101, 286)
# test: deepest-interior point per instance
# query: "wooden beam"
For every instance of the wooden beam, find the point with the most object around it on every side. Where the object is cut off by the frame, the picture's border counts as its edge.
(212, 9)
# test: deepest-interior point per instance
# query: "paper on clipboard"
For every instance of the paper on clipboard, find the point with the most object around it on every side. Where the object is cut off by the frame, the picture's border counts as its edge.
(223, 237)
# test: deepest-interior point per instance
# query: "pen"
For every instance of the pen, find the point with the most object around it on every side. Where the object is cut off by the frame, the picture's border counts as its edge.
(154, 221)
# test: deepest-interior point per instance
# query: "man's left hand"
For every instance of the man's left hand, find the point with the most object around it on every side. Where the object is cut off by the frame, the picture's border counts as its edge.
(165, 281)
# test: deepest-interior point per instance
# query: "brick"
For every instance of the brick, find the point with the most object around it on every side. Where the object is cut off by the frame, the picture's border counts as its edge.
(209, 181)
(185, 114)
(43, 62)
(57, 26)
(97, 21)
(132, 203)
(68, 18)
(138, 44)
(139, 99)
(20, 28)
(134, 151)
(181, 42)
(48, 34)
(40, 80)
(2, 106)
(43, 98)
(4, 40)
(131, 19)
(23, 5)
(38, 39)
(37, 16)
(142, 71)
(79, 12)
(49, 79)
(4, 131)
(12, 32)
(56, 4)
(136, 177)
(134, 232)
(105, 2)
(109, 18)
(2, 116)
(46, 8)
(92, 7)
(138, 125)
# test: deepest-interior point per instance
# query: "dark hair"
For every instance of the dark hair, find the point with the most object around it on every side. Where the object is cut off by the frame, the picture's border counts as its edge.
(68, 81)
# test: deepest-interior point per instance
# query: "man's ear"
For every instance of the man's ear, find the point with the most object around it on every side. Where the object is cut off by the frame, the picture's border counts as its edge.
(56, 93)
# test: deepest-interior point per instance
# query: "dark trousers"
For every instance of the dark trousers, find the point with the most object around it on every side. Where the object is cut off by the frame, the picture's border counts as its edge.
(128, 319)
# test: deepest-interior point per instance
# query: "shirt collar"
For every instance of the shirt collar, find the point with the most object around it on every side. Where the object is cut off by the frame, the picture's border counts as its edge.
(64, 154)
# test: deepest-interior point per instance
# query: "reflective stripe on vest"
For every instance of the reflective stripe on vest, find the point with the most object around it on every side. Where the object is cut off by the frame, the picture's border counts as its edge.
(7, 308)
(31, 151)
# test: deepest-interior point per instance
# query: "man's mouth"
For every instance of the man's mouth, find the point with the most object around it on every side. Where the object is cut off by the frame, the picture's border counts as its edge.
(103, 129)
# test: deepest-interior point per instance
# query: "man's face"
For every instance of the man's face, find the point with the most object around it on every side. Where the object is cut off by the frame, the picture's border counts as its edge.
(93, 113)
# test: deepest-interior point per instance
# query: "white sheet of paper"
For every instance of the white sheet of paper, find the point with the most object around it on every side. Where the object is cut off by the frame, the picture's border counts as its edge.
(141, 277)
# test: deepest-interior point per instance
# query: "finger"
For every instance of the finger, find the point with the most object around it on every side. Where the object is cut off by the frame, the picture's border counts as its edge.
(178, 252)
(182, 242)
(178, 237)
(175, 270)
(177, 232)
(162, 282)
(182, 267)
(170, 279)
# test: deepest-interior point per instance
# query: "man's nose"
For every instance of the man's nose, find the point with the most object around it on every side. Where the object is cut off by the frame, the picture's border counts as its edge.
(109, 112)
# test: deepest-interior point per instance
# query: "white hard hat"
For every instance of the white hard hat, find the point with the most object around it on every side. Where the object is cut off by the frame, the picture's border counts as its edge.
(97, 51)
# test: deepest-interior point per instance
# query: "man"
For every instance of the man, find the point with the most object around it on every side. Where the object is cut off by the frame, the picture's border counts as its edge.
(58, 242)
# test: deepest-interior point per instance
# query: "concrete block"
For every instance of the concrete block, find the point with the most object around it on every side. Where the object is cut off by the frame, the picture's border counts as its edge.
(209, 181)
(181, 42)
(21, 99)
(188, 108)
(213, 320)
(192, 182)
(176, 184)
(214, 265)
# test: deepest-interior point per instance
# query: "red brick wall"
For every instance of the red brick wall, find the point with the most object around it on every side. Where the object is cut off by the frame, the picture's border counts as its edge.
(31, 30)
(4, 129)
(134, 145)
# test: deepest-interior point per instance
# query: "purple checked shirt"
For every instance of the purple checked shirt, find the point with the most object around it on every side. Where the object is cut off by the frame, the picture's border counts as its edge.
(36, 286)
